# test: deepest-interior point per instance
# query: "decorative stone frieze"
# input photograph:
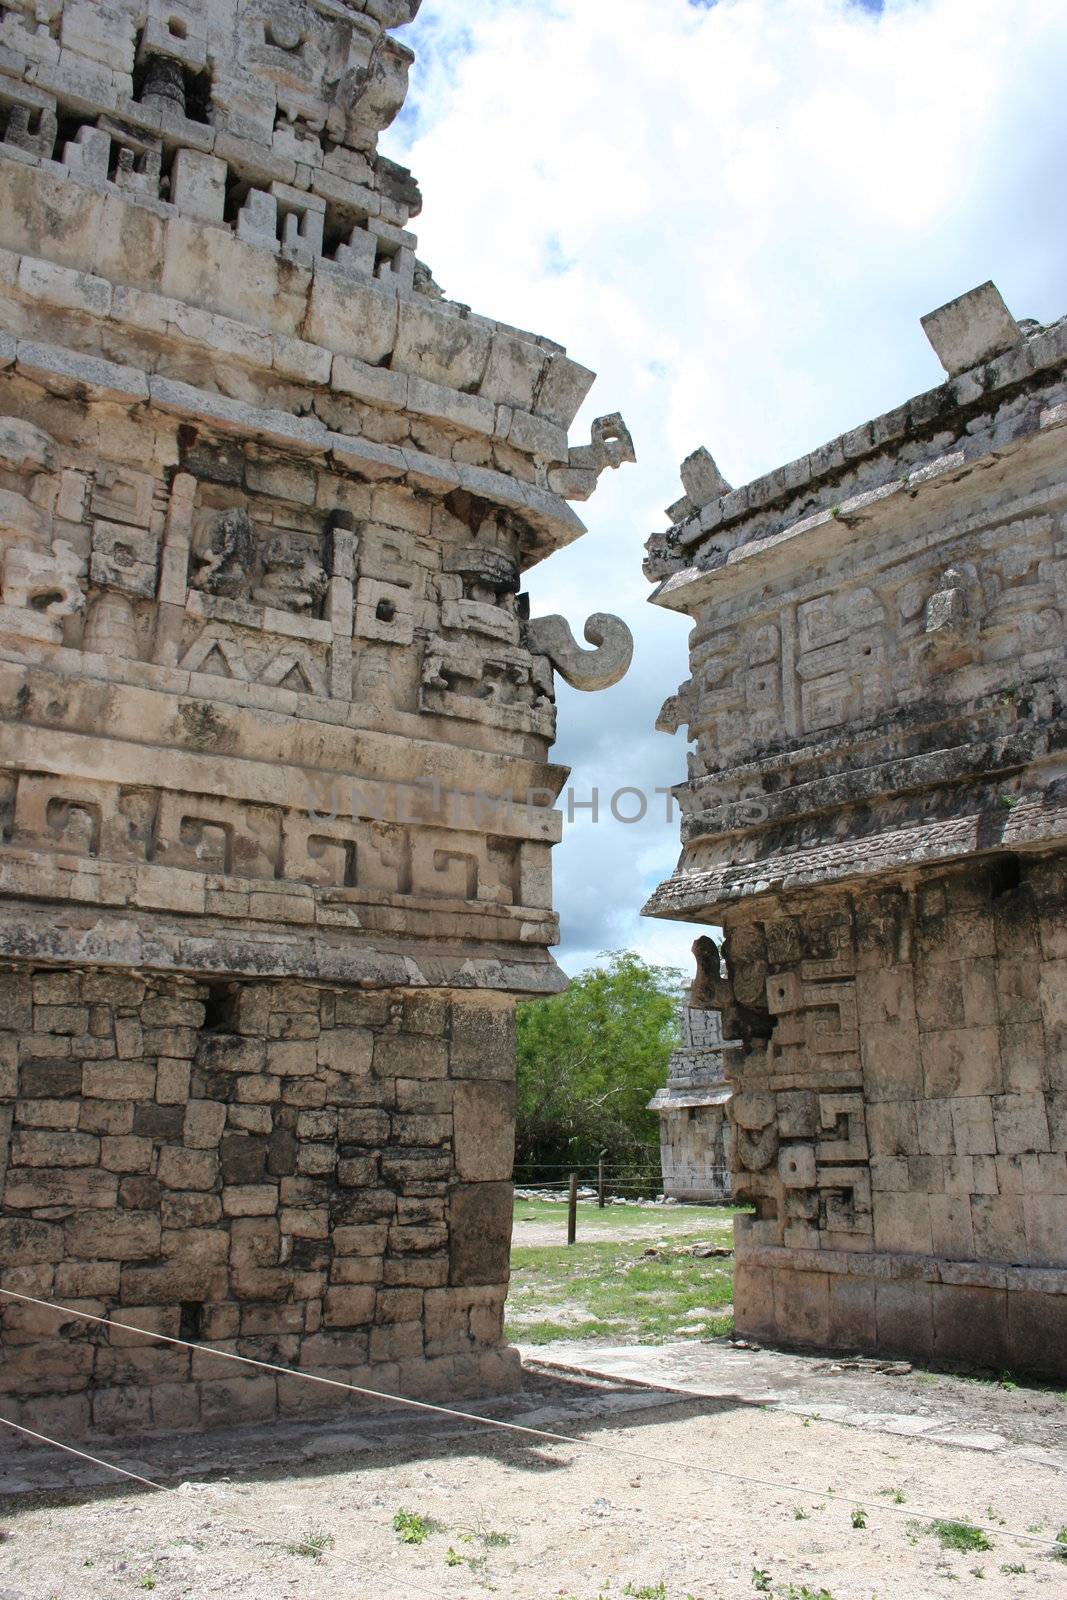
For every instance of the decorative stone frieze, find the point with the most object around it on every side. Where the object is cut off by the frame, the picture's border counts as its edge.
(275, 792)
(876, 816)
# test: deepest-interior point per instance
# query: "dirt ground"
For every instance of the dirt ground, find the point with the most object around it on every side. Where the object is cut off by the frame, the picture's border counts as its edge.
(539, 1521)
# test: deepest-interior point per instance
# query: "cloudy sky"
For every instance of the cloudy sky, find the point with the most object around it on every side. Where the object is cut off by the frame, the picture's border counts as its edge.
(736, 213)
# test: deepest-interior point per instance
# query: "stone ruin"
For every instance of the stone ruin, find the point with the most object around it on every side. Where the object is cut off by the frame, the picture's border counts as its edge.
(277, 812)
(876, 816)
(694, 1126)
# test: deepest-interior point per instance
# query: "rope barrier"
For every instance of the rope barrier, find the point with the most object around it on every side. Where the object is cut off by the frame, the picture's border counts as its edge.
(543, 1434)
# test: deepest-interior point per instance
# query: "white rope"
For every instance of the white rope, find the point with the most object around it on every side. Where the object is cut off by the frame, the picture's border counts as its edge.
(747, 1481)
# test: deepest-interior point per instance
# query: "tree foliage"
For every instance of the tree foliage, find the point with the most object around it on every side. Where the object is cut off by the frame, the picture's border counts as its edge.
(590, 1060)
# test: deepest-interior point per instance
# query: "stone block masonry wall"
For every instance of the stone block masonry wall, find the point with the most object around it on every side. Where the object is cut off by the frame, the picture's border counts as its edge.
(876, 815)
(904, 1136)
(310, 1177)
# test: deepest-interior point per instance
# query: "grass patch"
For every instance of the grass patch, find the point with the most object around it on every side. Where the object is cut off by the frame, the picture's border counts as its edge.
(613, 1292)
(609, 1291)
(961, 1536)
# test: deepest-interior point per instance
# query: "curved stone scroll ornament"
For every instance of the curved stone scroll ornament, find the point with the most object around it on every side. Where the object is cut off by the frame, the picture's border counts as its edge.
(584, 669)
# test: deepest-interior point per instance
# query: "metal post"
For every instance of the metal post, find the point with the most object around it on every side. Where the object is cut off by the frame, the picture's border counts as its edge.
(572, 1210)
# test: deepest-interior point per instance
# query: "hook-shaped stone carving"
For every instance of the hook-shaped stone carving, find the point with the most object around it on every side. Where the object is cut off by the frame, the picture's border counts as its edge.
(610, 446)
(584, 669)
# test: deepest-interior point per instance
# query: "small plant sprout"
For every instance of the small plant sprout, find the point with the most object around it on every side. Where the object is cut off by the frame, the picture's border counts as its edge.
(495, 1541)
(411, 1528)
(650, 1592)
(897, 1496)
(147, 1581)
(761, 1580)
(1061, 1539)
(313, 1543)
(1013, 1569)
(859, 1518)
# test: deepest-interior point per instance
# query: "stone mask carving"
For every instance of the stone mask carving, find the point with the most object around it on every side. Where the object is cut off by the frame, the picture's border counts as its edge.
(227, 561)
(368, 98)
(295, 579)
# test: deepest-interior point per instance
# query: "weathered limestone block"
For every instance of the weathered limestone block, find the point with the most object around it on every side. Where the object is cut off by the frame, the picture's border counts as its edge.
(198, 185)
(972, 330)
(875, 817)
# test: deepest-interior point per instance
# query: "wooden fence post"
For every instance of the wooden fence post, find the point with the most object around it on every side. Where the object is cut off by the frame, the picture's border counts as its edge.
(572, 1210)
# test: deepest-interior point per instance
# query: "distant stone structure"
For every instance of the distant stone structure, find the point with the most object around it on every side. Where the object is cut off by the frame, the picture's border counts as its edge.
(277, 813)
(694, 1127)
(876, 814)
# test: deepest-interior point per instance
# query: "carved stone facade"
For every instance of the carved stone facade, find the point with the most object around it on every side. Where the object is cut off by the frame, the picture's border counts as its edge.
(276, 811)
(694, 1126)
(876, 816)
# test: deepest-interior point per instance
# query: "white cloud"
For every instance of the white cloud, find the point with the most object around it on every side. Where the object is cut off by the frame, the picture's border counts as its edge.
(736, 215)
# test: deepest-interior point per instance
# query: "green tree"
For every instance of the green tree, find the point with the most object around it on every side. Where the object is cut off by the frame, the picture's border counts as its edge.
(590, 1060)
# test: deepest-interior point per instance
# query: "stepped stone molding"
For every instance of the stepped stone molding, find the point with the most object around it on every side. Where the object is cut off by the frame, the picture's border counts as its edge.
(876, 816)
(276, 800)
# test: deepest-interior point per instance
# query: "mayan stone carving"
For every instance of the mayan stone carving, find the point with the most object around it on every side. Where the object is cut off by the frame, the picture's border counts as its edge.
(876, 815)
(277, 810)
